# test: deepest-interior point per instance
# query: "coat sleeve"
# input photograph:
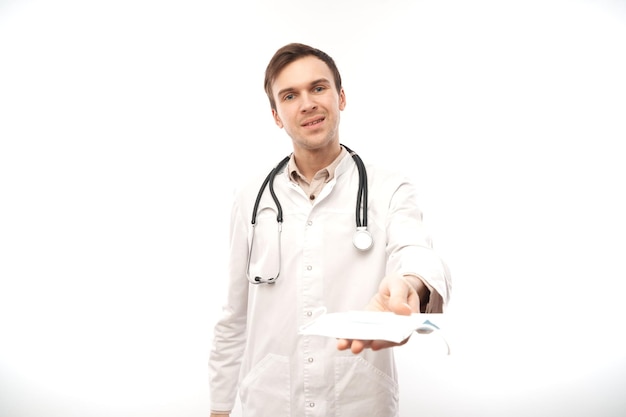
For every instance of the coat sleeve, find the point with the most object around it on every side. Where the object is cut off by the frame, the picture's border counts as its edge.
(410, 249)
(229, 336)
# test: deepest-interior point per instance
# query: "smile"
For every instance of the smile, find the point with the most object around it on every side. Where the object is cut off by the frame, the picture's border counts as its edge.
(313, 122)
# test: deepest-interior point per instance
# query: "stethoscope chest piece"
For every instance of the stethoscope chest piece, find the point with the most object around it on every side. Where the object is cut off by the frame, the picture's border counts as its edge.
(362, 239)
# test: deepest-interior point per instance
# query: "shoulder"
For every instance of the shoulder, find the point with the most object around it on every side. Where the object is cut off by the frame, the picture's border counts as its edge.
(388, 182)
(248, 180)
(384, 175)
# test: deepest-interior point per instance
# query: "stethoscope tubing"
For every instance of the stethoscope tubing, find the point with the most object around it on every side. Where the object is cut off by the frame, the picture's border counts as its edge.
(270, 180)
(362, 240)
(361, 199)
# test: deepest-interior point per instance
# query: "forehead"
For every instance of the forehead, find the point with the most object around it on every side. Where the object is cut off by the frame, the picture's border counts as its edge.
(301, 73)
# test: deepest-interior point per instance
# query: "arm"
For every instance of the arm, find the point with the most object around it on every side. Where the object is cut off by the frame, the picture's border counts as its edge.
(230, 330)
(417, 279)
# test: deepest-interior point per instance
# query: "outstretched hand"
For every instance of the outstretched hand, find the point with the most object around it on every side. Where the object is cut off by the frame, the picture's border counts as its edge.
(397, 293)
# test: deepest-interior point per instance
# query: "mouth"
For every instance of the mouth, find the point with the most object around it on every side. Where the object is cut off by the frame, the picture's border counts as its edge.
(313, 122)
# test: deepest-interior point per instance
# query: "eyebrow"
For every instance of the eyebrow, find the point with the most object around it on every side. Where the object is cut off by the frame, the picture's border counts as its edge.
(311, 84)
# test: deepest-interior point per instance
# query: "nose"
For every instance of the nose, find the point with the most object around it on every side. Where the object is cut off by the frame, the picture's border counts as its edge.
(308, 103)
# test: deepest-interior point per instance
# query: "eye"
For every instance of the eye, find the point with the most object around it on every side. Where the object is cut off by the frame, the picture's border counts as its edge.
(288, 97)
(319, 88)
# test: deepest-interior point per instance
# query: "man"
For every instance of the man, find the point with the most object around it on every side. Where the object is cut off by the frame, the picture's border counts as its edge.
(257, 349)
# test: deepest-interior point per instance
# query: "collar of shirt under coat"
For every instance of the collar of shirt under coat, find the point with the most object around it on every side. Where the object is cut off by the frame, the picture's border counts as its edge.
(321, 177)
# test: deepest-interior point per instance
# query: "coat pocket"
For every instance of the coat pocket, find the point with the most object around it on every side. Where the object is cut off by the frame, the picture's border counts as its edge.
(361, 389)
(265, 390)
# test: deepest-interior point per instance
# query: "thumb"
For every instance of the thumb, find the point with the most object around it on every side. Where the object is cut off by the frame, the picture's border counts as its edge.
(402, 298)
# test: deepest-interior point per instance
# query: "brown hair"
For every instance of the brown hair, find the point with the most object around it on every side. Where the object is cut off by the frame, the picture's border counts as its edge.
(290, 53)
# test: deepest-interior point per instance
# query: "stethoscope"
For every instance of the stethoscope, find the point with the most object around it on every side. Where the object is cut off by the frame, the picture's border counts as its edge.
(362, 238)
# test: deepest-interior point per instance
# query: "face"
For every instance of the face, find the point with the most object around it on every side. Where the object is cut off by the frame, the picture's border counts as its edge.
(308, 104)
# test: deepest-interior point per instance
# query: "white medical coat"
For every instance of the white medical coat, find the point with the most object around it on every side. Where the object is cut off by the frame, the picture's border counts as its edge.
(257, 350)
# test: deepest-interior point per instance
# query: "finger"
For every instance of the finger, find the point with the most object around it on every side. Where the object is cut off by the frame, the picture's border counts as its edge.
(359, 345)
(414, 302)
(381, 344)
(384, 344)
(400, 295)
(343, 344)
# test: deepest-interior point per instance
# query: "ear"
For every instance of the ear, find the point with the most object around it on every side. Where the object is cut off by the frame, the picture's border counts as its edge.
(277, 120)
(342, 99)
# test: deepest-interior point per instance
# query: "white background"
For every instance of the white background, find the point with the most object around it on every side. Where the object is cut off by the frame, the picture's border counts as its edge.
(124, 126)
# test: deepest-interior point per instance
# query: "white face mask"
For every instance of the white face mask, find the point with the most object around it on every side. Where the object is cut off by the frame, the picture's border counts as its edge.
(373, 325)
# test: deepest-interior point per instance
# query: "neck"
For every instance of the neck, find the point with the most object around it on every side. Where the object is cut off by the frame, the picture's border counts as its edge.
(310, 161)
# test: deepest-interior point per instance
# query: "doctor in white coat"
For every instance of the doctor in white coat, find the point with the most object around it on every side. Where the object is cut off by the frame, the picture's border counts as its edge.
(279, 280)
